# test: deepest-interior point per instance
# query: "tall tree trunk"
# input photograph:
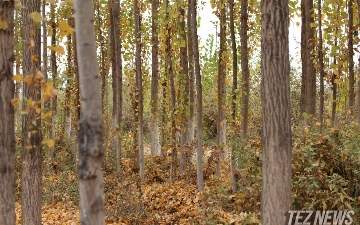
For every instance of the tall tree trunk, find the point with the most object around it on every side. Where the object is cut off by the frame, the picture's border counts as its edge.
(233, 92)
(139, 87)
(53, 65)
(103, 72)
(116, 67)
(184, 159)
(91, 123)
(276, 123)
(358, 84)
(351, 56)
(155, 79)
(169, 70)
(45, 62)
(221, 121)
(69, 83)
(321, 69)
(31, 189)
(195, 47)
(308, 85)
(191, 78)
(245, 72)
(7, 126)
(334, 86)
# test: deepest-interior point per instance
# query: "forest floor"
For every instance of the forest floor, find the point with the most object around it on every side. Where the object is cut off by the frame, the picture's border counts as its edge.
(154, 201)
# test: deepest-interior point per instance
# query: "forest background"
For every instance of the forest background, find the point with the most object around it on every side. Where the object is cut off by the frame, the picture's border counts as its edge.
(175, 150)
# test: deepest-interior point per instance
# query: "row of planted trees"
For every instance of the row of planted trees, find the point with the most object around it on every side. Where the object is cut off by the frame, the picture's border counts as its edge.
(151, 51)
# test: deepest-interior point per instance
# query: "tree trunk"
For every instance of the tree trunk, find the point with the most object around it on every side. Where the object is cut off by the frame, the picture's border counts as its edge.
(170, 72)
(276, 124)
(308, 85)
(221, 121)
(91, 123)
(184, 159)
(53, 65)
(191, 78)
(139, 87)
(116, 67)
(31, 188)
(195, 47)
(7, 128)
(245, 72)
(155, 79)
(233, 92)
(321, 69)
(358, 84)
(351, 56)
(334, 86)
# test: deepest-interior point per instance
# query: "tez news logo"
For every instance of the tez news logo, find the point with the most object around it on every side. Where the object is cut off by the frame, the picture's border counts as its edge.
(328, 217)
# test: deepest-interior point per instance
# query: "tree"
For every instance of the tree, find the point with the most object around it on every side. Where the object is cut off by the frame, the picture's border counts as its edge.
(139, 87)
(31, 187)
(275, 102)
(195, 47)
(244, 71)
(221, 120)
(321, 68)
(154, 78)
(308, 76)
(233, 90)
(358, 84)
(351, 56)
(7, 132)
(191, 77)
(116, 66)
(91, 124)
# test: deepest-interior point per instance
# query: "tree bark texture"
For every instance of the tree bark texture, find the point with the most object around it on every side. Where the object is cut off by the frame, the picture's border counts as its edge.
(139, 87)
(116, 67)
(91, 122)
(275, 101)
(221, 122)
(7, 131)
(31, 188)
(155, 144)
(351, 56)
(195, 47)
(191, 77)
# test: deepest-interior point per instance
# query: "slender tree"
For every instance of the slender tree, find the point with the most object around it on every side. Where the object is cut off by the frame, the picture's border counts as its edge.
(233, 90)
(7, 131)
(244, 71)
(275, 102)
(154, 78)
(308, 81)
(195, 47)
(191, 77)
(116, 67)
(351, 56)
(31, 188)
(221, 121)
(334, 83)
(184, 160)
(321, 68)
(358, 84)
(139, 87)
(91, 123)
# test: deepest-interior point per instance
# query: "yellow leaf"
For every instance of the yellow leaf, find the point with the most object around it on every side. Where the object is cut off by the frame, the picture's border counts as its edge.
(28, 80)
(15, 102)
(51, 178)
(38, 110)
(317, 123)
(312, 25)
(36, 16)
(65, 29)
(257, 65)
(46, 115)
(49, 142)
(51, 1)
(58, 49)
(35, 58)
(17, 78)
(297, 24)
